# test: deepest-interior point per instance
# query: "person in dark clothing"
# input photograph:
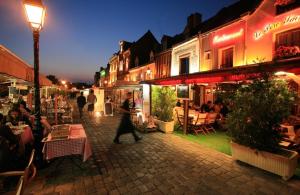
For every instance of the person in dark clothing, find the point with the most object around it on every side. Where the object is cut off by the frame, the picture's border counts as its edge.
(224, 110)
(126, 125)
(81, 101)
(206, 107)
(178, 104)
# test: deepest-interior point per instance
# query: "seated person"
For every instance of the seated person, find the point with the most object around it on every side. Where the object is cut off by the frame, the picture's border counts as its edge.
(206, 107)
(5, 155)
(6, 133)
(15, 116)
(178, 104)
(24, 110)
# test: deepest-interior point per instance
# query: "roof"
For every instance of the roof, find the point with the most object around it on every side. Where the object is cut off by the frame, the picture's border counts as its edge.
(229, 14)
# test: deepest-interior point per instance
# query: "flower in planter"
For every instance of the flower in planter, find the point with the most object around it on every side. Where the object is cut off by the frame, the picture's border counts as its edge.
(283, 2)
(287, 51)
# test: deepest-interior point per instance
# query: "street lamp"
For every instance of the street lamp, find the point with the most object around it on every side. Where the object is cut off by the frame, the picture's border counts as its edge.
(35, 12)
(63, 82)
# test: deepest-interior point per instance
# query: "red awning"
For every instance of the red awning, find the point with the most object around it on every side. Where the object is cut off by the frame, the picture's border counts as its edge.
(15, 67)
(240, 73)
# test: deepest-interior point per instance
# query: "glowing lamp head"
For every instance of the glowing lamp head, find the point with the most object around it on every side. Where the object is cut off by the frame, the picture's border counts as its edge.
(35, 12)
(63, 82)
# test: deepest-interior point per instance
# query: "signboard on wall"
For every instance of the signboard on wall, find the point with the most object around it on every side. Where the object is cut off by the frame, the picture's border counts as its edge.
(183, 91)
(108, 109)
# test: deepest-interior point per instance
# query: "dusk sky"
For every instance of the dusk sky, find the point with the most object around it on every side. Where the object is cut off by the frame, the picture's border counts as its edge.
(79, 36)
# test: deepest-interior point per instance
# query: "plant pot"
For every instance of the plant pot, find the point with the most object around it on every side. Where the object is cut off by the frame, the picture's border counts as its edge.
(284, 166)
(166, 127)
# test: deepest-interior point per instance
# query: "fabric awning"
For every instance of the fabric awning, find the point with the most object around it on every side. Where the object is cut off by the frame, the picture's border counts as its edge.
(14, 67)
(240, 73)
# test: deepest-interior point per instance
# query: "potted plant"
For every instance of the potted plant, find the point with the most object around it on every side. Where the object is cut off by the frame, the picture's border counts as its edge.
(163, 103)
(254, 123)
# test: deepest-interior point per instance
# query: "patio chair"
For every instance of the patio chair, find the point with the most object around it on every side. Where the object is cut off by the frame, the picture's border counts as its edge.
(180, 120)
(198, 125)
(209, 122)
(26, 176)
(67, 117)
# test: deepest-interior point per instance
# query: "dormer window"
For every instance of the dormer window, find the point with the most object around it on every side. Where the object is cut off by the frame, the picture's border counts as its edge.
(136, 61)
(151, 56)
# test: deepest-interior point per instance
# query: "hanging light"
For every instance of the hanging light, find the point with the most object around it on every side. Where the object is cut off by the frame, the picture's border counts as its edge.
(35, 12)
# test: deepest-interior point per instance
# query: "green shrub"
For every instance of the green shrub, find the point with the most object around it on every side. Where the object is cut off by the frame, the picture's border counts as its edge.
(163, 102)
(259, 109)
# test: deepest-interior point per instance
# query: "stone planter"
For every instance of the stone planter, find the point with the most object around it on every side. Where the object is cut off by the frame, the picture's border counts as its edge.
(166, 127)
(284, 166)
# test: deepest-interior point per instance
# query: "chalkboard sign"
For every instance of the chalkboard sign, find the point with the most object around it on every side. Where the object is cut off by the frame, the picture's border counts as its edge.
(108, 109)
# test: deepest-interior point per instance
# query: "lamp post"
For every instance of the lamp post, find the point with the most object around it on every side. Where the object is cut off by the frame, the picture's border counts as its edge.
(35, 12)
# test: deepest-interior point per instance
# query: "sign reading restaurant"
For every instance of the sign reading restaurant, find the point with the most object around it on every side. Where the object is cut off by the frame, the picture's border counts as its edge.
(291, 19)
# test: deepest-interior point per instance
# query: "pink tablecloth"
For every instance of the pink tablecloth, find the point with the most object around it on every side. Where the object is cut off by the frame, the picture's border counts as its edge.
(77, 143)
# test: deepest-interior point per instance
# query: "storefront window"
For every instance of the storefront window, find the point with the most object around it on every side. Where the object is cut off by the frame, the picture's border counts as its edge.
(287, 44)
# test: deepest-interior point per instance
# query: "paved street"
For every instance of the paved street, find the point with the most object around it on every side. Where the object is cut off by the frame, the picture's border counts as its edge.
(159, 164)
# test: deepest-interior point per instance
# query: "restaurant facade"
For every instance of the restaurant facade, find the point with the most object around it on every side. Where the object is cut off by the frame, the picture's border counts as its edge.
(233, 46)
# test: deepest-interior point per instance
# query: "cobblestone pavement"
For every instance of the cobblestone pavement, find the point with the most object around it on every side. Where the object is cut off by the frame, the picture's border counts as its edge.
(158, 164)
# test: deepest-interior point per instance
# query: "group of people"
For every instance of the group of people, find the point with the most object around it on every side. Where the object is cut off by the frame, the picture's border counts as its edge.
(218, 107)
(90, 101)
(13, 153)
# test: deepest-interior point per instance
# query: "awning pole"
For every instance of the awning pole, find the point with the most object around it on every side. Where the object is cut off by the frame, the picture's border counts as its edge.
(186, 114)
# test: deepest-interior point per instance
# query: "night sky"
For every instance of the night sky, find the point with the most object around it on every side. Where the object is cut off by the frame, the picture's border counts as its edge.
(79, 36)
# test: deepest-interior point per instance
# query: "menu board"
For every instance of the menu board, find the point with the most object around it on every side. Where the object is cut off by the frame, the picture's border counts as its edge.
(108, 109)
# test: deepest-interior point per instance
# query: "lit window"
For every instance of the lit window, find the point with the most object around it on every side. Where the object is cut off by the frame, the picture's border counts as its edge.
(184, 65)
(227, 58)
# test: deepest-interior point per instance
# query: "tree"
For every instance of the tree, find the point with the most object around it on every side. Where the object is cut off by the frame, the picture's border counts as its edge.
(259, 109)
(53, 79)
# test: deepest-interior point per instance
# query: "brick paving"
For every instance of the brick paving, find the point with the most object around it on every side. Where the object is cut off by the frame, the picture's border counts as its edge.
(159, 164)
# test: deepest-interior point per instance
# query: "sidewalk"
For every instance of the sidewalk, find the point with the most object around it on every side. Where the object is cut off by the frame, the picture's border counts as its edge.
(158, 164)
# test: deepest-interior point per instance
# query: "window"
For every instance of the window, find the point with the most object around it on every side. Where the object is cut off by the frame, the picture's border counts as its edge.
(151, 56)
(289, 38)
(287, 44)
(184, 65)
(207, 55)
(136, 61)
(121, 66)
(227, 58)
(127, 63)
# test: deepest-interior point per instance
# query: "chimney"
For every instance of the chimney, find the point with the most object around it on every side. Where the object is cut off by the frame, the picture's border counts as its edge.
(194, 20)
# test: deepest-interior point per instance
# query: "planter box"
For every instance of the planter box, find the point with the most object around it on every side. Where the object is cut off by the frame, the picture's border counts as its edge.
(166, 127)
(284, 166)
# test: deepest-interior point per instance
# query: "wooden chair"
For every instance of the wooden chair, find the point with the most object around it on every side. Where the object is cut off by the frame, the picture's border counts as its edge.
(179, 119)
(26, 176)
(68, 115)
(198, 125)
(209, 121)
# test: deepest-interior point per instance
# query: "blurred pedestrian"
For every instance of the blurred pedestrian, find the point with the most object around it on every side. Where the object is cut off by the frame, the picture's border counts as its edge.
(91, 100)
(81, 101)
(126, 125)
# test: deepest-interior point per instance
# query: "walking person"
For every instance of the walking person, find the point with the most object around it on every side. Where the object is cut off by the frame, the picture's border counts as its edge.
(126, 125)
(91, 100)
(81, 101)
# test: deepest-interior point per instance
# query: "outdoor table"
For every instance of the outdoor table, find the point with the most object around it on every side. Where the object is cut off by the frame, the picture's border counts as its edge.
(76, 144)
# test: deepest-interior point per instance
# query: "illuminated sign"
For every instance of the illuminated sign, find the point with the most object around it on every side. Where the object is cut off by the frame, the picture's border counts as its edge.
(102, 73)
(226, 37)
(292, 19)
